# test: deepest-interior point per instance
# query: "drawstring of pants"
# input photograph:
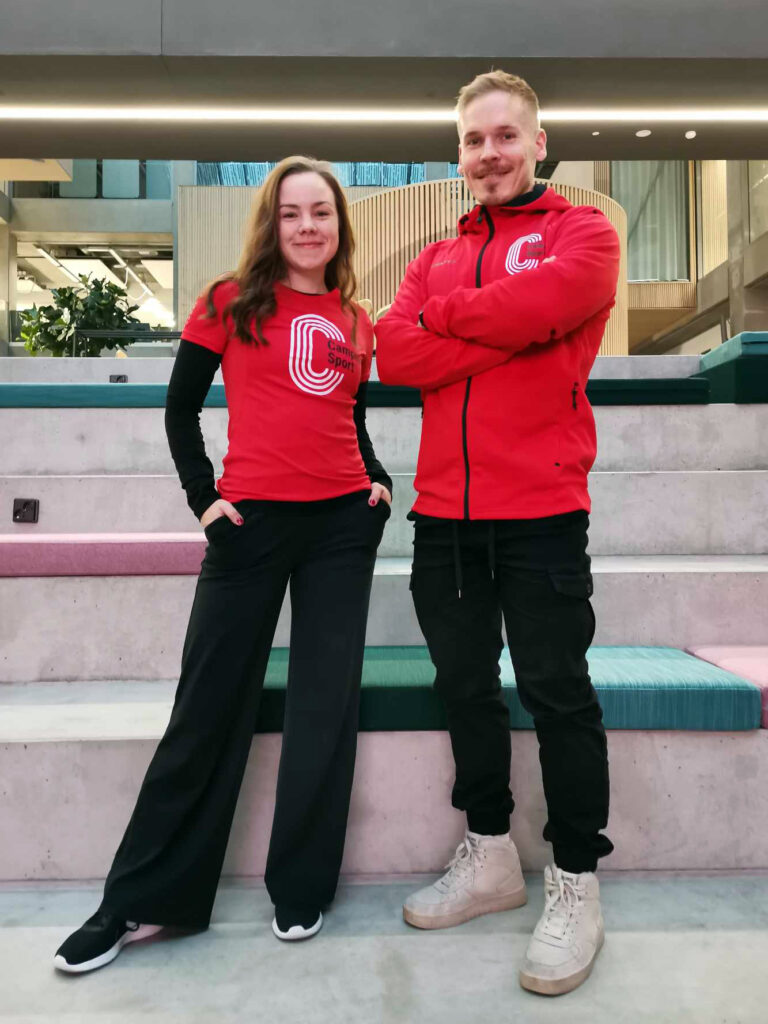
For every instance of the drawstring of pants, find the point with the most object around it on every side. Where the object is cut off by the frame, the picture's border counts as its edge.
(458, 572)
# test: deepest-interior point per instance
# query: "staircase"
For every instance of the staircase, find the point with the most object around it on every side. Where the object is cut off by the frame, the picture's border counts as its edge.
(95, 598)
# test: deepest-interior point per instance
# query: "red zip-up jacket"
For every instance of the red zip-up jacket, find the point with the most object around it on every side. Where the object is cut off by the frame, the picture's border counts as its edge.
(503, 357)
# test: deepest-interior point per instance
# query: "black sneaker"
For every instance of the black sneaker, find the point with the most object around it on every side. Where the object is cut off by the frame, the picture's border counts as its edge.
(291, 924)
(97, 943)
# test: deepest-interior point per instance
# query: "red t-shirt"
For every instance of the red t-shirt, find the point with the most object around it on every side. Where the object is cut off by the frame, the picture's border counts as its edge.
(291, 432)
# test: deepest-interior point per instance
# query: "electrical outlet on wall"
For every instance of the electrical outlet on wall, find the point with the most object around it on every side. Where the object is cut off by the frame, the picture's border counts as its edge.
(26, 510)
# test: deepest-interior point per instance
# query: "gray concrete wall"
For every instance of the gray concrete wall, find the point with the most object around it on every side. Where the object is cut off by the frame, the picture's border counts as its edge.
(630, 438)
(715, 512)
(47, 369)
(715, 787)
(580, 28)
(133, 627)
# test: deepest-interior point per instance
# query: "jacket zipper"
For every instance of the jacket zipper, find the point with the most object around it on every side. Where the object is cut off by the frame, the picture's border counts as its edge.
(574, 393)
(478, 284)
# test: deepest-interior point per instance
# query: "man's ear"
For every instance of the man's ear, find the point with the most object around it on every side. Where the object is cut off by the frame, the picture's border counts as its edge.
(461, 169)
(541, 145)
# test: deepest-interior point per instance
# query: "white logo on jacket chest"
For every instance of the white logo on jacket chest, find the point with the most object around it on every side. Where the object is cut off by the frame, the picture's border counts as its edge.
(514, 262)
(303, 330)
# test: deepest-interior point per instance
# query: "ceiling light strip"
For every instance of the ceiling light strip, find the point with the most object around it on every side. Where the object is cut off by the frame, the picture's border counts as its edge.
(266, 115)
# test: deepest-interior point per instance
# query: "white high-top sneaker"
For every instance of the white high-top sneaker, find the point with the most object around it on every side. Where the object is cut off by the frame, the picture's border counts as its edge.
(569, 935)
(483, 877)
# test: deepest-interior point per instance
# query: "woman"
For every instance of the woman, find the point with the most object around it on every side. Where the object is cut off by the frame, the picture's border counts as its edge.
(302, 502)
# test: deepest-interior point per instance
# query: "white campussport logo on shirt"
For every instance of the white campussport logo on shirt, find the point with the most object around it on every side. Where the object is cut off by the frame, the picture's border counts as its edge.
(303, 329)
(514, 264)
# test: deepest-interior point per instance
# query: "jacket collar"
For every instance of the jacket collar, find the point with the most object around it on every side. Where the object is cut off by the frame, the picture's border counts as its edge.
(538, 200)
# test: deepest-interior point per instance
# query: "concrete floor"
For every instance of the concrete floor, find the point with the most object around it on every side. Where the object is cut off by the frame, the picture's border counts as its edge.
(681, 948)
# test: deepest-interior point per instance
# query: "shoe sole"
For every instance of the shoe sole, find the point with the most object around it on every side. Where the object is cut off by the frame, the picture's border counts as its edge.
(144, 932)
(490, 905)
(297, 933)
(559, 986)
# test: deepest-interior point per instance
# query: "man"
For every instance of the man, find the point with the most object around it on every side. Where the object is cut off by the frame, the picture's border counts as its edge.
(499, 327)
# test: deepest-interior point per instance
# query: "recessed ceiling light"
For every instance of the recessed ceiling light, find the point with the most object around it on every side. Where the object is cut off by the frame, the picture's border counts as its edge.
(690, 135)
(595, 133)
(643, 133)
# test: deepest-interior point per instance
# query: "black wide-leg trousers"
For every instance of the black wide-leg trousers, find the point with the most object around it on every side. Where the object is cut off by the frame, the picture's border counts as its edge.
(535, 574)
(168, 864)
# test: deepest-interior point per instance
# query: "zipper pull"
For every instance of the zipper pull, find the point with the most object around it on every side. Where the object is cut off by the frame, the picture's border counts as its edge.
(574, 392)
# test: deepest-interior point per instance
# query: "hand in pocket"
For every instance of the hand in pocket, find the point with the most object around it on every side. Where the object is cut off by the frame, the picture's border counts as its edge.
(217, 510)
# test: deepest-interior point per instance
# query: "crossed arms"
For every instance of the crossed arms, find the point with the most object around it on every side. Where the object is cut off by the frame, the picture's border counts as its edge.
(472, 330)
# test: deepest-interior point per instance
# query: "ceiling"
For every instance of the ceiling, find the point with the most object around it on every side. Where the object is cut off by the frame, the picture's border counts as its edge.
(607, 84)
(144, 272)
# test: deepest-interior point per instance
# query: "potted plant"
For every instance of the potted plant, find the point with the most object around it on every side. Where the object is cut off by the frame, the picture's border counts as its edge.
(93, 304)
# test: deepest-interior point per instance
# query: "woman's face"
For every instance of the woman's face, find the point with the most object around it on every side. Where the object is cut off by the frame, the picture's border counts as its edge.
(308, 222)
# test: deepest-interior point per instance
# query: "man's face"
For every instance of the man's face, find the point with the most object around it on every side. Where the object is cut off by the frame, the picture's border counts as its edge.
(499, 145)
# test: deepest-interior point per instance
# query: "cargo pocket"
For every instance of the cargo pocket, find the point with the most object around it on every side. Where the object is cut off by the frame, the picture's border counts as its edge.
(577, 588)
(572, 584)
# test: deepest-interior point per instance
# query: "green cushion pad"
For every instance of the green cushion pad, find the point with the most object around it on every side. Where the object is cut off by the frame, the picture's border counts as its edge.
(737, 370)
(639, 688)
(748, 343)
(667, 391)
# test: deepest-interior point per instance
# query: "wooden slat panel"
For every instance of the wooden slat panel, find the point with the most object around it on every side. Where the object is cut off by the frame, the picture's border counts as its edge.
(603, 176)
(429, 211)
(662, 295)
(211, 225)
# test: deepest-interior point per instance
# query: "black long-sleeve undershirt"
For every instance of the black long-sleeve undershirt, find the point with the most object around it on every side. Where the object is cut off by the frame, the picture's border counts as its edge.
(193, 372)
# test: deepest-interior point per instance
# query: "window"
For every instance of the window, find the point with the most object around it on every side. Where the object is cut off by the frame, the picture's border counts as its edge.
(655, 196)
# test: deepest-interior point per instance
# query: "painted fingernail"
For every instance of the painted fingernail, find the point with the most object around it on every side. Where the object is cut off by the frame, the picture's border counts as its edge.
(240, 521)
(371, 502)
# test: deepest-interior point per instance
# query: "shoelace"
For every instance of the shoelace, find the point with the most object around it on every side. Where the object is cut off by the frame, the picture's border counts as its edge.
(461, 864)
(563, 895)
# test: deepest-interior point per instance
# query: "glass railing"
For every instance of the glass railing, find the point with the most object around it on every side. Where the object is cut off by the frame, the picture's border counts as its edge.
(373, 174)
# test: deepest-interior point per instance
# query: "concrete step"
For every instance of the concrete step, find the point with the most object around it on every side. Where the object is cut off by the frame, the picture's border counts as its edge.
(132, 627)
(44, 370)
(79, 758)
(697, 512)
(630, 438)
(158, 370)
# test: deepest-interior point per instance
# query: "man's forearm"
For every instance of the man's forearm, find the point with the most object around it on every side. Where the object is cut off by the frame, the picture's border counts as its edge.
(538, 305)
(410, 355)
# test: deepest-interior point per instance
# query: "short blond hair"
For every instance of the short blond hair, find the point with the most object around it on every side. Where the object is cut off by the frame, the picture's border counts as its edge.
(497, 81)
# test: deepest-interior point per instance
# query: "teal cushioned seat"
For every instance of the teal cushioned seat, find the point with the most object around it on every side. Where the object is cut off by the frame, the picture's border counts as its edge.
(737, 370)
(668, 391)
(639, 688)
(748, 343)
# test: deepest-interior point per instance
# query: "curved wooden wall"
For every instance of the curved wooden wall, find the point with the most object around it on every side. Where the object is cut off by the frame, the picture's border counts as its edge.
(392, 227)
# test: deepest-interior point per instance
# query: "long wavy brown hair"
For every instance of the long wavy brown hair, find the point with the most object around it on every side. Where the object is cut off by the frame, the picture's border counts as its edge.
(261, 262)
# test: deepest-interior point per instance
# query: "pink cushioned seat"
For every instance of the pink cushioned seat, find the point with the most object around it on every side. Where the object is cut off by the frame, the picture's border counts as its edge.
(751, 663)
(102, 554)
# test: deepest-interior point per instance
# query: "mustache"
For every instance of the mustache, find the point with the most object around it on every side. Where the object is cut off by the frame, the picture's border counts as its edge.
(483, 172)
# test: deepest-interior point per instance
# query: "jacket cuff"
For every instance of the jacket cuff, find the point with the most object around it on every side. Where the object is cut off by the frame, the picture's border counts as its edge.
(202, 500)
(434, 315)
(382, 478)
